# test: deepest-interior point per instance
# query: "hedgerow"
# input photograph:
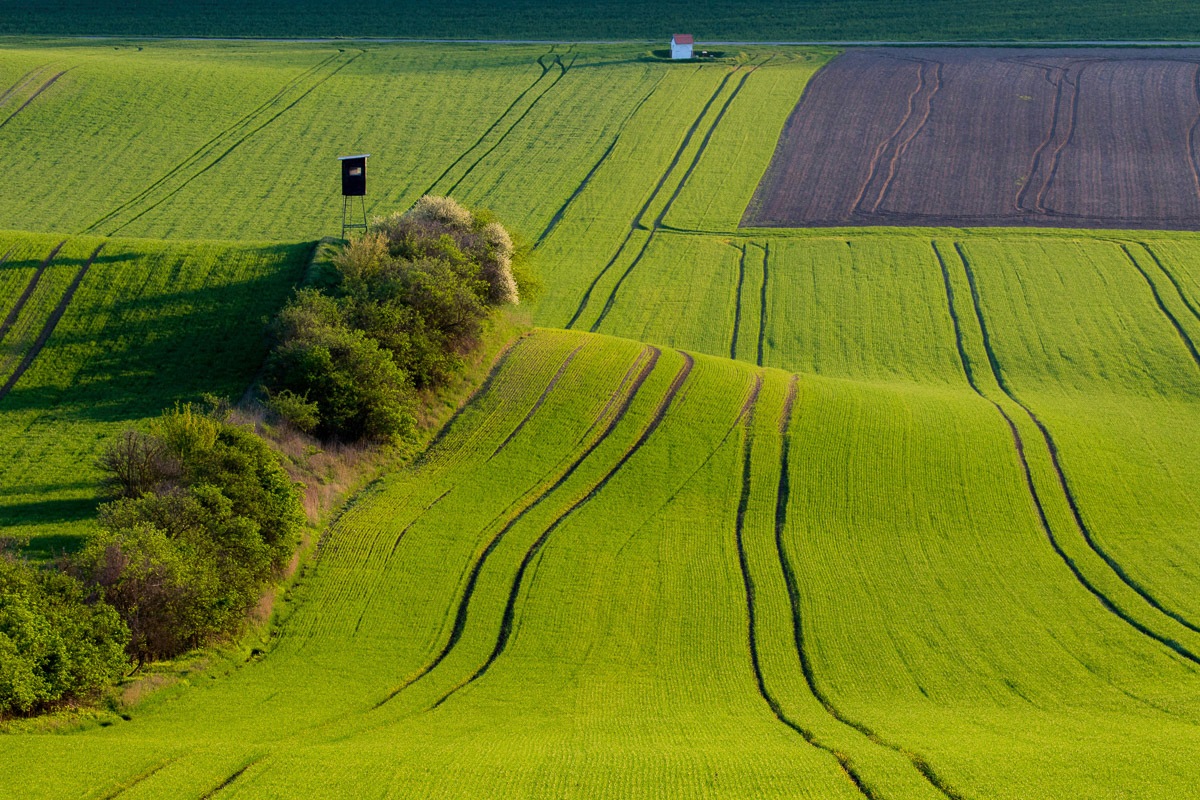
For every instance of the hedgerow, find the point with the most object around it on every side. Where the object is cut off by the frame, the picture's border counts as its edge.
(410, 300)
(185, 550)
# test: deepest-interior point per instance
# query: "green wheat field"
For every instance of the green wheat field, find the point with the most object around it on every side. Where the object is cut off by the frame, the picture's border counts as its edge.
(821, 513)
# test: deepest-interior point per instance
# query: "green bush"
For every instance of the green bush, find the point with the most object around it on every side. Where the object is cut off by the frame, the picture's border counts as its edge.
(297, 410)
(185, 564)
(411, 299)
(54, 645)
(357, 388)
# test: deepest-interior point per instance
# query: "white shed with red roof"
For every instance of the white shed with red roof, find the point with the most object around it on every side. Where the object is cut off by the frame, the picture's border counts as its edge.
(681, 45)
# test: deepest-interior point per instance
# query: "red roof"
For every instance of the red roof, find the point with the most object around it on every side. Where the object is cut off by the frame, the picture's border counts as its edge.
(682, 38)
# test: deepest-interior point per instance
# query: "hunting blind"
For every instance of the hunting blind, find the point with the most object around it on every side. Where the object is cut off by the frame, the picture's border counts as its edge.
(354, 184)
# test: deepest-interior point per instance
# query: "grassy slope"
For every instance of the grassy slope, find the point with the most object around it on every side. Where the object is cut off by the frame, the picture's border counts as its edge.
(772, 20)
(626, 667)
(150, 323)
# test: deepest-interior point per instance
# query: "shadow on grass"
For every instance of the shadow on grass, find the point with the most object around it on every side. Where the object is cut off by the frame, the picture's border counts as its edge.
(42, 512)
(154, 350)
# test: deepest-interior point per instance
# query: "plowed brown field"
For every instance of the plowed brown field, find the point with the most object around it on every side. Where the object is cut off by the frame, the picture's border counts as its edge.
(1100, 138)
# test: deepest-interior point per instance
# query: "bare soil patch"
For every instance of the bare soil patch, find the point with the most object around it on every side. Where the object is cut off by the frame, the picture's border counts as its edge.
(1093, 138)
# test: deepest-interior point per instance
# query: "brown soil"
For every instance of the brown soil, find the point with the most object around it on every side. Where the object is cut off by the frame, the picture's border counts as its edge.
(1101, 138)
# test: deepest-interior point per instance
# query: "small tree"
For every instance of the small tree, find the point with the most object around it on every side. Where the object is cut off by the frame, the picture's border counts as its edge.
(136, 463)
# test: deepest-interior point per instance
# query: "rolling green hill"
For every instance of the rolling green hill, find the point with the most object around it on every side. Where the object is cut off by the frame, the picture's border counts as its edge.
(631, 572)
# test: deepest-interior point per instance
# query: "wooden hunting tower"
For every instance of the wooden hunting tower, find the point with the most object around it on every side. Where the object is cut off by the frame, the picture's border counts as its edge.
(354, 184)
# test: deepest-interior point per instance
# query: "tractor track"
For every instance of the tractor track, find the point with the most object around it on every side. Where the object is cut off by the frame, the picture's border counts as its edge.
(1174, 281)
(1166, 312)
(882, 147)
(762, 303)
(229, 780)
(1055, 156)
(636, 224)
(538, 404)
(197, 154)
(13, 314)
(587, 179)
(1191, 134)
(51, 323)
(136, 779)
(751, 614)
(563, 69)
(236, 144)
(507, 623)
(495, 123)
(460, 617)
(902, 147)
(737, 308)
(1019, 445)
(657, 223)
(1051, 133)
(53, 80)
(21, 83)
(782, 497)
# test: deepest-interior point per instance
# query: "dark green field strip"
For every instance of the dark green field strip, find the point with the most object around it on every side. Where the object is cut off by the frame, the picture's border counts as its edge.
(771, 20)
